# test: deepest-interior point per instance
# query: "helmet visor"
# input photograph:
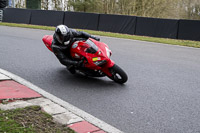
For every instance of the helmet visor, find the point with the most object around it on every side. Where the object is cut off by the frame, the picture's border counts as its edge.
(60, 38)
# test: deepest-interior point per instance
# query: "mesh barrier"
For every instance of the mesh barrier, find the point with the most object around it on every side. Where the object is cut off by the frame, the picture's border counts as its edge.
(189, 30)
(81, 20)
(117, 23)
(15, 15)
(48, 18)
(154, 27)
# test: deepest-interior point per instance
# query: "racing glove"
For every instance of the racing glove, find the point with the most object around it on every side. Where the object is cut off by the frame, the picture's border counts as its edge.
(95, 38)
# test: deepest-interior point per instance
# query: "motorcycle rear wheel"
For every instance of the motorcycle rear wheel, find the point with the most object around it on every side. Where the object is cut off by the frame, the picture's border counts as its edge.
(118, 75)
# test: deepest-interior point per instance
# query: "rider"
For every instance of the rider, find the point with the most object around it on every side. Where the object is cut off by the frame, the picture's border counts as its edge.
(63, 38)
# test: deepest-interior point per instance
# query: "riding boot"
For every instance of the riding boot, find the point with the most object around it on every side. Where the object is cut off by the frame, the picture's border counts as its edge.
(71, 69)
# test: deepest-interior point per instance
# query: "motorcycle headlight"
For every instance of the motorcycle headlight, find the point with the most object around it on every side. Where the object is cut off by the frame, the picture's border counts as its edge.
(99, 63)
(108, 52)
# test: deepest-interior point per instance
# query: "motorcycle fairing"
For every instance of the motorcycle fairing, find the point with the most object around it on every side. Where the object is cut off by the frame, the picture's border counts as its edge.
(97, 52)
(47, 39)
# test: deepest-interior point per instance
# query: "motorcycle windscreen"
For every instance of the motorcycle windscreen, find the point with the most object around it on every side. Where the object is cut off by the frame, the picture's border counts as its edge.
(92, 47)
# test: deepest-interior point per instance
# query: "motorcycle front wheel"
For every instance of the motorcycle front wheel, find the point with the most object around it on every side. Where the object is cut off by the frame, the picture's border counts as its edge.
(118, 75)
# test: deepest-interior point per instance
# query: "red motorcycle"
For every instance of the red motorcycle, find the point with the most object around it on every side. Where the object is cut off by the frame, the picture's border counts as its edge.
(95, 56)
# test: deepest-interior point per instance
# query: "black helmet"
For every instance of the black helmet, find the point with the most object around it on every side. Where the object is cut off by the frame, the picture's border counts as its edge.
(62, 34)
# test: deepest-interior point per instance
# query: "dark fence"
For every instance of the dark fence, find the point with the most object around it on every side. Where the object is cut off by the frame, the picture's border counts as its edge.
(81, 20)
(165, 28)
(189, 30)
(117, 23)
(14, 15)
(48, 18)
(154, 27)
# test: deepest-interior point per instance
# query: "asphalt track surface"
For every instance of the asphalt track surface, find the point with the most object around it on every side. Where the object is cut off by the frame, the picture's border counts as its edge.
(162, 94)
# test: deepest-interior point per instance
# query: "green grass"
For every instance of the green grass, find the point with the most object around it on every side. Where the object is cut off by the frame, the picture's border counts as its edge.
(29, 120)
(9, 125)
(188, 43)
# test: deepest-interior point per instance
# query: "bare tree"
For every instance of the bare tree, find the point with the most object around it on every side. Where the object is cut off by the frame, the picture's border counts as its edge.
(20, 4)
(57, 5)
(45, 4)
(187, 9)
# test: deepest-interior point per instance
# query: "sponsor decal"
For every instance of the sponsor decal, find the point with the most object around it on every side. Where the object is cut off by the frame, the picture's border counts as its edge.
(96, 58)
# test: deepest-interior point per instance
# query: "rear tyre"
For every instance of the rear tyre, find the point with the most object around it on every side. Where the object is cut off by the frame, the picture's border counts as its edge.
(118, 75)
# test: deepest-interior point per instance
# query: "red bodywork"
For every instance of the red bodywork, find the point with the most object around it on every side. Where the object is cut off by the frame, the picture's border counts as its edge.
(47, 39)
(79, 50)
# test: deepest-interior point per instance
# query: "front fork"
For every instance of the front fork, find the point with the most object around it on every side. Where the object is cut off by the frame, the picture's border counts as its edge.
(106, 68)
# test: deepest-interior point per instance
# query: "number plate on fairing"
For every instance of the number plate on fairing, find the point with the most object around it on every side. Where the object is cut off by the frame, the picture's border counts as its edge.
(96, 58)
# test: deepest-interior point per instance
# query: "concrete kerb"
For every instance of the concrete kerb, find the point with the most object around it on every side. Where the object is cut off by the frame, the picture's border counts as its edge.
(75, 111)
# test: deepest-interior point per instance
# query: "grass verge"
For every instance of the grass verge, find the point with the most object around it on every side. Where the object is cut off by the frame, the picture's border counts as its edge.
(29, 120)
(188, 43)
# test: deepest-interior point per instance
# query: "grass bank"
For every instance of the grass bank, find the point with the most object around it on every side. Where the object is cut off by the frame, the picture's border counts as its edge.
(29, 120)
(188, 43)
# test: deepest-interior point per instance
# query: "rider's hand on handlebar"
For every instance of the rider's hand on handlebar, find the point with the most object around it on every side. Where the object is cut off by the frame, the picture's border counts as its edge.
(95, 38)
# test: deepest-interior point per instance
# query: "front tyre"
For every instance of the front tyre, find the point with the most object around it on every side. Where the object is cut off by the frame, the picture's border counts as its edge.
(118, 75)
